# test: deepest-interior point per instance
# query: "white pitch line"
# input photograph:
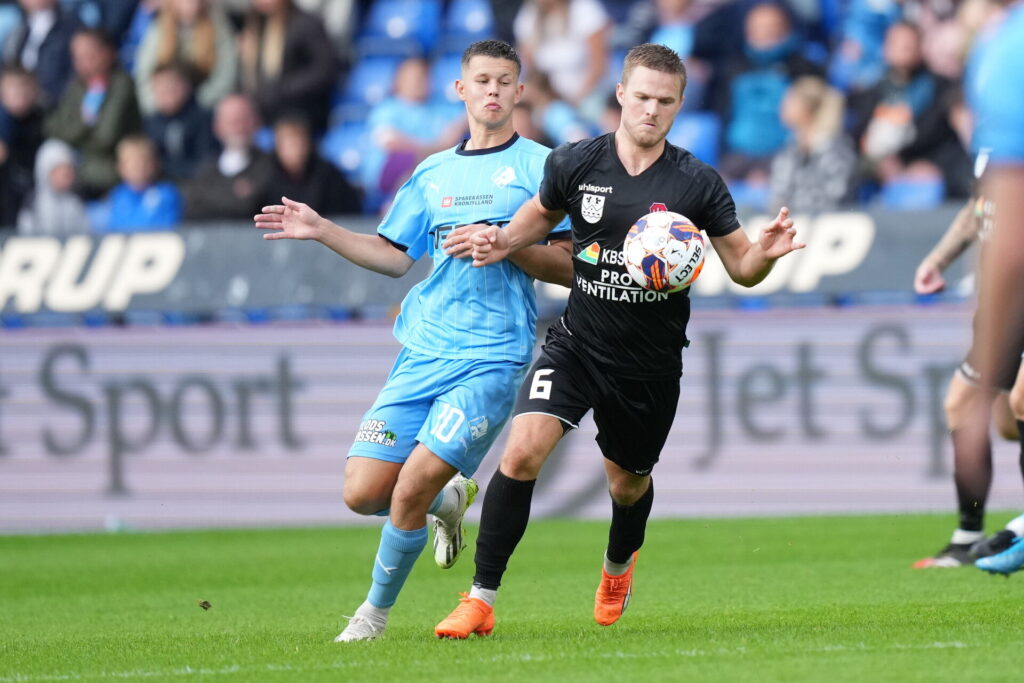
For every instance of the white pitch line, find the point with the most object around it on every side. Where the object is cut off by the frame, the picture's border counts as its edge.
(525, 657)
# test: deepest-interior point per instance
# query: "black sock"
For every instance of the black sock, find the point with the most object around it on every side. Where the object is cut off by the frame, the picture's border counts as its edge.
(972, 472)
(503, 521)
(629, 523)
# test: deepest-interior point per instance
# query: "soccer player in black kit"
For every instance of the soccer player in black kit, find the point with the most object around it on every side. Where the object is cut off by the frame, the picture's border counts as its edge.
(617, 349)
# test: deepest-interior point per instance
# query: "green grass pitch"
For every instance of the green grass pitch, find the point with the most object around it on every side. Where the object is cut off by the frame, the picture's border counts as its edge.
(794, 599)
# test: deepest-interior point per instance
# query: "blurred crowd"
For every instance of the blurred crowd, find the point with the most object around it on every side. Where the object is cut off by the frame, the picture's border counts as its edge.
(125, 115)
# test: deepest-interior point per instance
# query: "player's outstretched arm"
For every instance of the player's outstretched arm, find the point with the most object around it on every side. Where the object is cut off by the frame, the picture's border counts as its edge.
(750, 262)
(531, 223)
(550, 262)
(298, 221)
(545, 262)
(960, 234)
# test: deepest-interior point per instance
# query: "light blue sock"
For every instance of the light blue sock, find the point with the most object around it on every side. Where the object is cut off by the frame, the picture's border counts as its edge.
(395, 557)
(434, 507)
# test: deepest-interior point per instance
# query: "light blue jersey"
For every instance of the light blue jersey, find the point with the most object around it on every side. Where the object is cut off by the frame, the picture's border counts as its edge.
(995, 90)
(458, 311)
(468, 332)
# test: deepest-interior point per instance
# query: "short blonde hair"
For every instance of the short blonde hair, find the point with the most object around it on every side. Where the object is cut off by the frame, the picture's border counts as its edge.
(656, 57)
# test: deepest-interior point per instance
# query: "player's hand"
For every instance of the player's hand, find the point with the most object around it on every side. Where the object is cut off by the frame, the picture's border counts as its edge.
(457, 244)
(290, 220)
(778, 237)
(490, 245)
(928, 279)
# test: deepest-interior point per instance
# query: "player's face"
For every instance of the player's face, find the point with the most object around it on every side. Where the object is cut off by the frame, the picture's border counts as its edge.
(490, 88)
(650, 101)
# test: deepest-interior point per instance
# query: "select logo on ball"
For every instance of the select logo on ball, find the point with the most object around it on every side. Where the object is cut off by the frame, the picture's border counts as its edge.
(664, 252)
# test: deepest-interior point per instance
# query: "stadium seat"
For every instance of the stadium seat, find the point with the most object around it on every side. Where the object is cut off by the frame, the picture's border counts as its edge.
(264, 139)
(443, 72)
(370, 80)
(345, 147)
(10, 17)
(699, 133)
(465, 22)
(913, 194)
(400, 28)
(752, 196)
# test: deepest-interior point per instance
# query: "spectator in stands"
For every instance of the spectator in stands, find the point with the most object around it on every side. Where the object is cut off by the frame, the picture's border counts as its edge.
(812, 174)
(567, 40)
(858, 62)
(611, 117)
(905, 118)
(21, 134)
(195, 34)
(757, 82)
(523, 122)
(114, 17)
(300, 174)
(559, 121)
(181, 129)
(407, 127)
(97, 110)
(675, 28)
(232, 184)
(288, 61)
(139, 202)
(53, 208)
(41, 44)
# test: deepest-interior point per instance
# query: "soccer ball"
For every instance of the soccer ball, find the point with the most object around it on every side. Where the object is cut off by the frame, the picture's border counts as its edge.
(664, 252)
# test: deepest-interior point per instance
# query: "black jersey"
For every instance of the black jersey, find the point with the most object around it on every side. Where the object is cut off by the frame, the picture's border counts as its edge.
(632, 331)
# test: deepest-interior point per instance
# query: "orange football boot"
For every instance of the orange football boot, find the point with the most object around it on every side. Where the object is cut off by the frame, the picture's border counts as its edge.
(612, 596)
(471, 616)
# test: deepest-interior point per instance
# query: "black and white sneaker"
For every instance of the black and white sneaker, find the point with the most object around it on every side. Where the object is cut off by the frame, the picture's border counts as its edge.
(953, 555)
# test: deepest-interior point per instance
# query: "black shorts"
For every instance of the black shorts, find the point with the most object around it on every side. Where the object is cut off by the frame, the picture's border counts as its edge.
(633, 416)
(1006, 372)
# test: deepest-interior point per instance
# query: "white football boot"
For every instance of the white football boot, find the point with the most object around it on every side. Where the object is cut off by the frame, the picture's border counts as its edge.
(449, 539)
(364, 625)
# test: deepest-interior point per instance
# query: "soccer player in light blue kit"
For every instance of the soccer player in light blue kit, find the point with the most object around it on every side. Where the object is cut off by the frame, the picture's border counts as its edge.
(467, 333)
(995, 90)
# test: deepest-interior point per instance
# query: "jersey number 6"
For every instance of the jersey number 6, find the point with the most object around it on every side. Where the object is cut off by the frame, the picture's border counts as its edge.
(540, 387)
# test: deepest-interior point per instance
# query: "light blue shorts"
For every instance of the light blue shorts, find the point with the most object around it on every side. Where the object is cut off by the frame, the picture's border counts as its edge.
(456, 408)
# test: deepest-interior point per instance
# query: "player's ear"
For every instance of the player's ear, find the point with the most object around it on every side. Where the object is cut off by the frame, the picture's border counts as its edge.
(620, 93)
(460, 89)
(519, 93)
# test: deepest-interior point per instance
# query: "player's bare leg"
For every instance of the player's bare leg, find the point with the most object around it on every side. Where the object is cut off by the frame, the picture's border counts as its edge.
(369, 483)
(403, 538)
(505, 514)
(972, 469)
(632, 496)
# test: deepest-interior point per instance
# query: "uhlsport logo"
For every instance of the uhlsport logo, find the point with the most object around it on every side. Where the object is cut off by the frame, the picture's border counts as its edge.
(592, 208)
(591, 254)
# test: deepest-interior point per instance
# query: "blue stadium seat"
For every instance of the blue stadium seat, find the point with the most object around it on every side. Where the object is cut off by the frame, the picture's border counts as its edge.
(400, 27)
(264, 138)
(10, 17)
(466, 22)
(370, 81)
(443, 72)
(913, 194)
(345, 147)
(699, 133)
(752, 196)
